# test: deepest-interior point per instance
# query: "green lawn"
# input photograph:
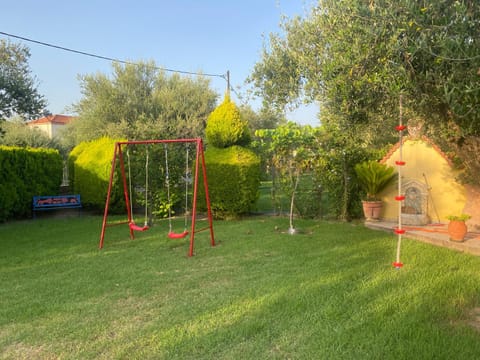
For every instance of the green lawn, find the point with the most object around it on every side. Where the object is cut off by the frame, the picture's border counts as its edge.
(329, 293)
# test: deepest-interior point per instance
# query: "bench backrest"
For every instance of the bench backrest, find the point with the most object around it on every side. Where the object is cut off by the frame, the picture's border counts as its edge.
(44, 202)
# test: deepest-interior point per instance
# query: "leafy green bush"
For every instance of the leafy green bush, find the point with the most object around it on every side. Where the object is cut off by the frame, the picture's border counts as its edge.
(308, 197)
(233, 180)
(90, 164)
(374, 177)
(225, 126)
(461, 217)
(24, 173)
(76, 151)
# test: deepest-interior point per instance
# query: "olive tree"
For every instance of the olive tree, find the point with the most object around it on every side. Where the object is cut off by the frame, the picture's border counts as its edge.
(292, 151)
(139, 101)
(18, 89)
(356, 57)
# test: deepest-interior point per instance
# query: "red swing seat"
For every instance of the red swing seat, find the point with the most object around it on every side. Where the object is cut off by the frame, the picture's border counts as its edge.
(173, 235)
(136, 227)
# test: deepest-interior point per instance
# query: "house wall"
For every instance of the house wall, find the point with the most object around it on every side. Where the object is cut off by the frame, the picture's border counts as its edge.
(46, 128)
(426, 164)
(55, 129)
(51, 124)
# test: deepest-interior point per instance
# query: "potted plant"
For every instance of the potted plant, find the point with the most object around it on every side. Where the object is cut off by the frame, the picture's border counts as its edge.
(373, 177)
(457, 229)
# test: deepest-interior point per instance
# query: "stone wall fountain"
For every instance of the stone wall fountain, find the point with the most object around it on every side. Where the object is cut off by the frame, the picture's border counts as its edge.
(415, 205)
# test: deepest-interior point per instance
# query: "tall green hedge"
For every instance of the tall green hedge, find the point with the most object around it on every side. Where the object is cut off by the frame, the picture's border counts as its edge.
(225, 126)
(90, 166)
(24, 173)
(233, 180)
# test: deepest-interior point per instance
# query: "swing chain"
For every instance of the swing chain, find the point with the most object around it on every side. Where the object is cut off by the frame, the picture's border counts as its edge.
(187, 180)
(133, 226)
(146, 187)
(167, 184)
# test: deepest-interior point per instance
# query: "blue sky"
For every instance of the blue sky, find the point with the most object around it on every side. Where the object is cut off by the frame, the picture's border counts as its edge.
(209, 36)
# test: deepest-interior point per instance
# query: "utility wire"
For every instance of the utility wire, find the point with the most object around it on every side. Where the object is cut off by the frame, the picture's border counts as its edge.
(223, 76)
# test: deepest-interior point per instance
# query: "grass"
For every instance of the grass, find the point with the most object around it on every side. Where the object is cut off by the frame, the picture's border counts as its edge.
(265, 202)
(329, 293)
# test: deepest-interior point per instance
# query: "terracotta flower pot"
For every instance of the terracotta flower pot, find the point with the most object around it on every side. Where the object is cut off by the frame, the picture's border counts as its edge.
(457, 230)
(372, 210)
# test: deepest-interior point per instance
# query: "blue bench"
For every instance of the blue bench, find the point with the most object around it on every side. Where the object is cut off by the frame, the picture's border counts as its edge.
(41, 203)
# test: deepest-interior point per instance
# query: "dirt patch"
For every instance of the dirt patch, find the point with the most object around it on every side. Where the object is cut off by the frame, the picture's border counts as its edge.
(23, 351)
(474, 318)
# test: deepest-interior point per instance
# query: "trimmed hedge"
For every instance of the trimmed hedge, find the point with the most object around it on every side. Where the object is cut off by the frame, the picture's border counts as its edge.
(225, 126)
(233, 180)
(24, 173)
(90, 165)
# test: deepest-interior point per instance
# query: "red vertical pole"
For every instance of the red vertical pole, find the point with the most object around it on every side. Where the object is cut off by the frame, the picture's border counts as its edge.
(194, 206)
(116, 153)
(125, 191)
(207, 195)
(107, 202)
(399, 231)
(200, 158)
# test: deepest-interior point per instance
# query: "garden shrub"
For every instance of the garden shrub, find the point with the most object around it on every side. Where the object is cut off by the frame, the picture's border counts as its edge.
(225, 126)
(233, 181)
(90, 163)
(24, 173)
(76, 151)
(308, 197)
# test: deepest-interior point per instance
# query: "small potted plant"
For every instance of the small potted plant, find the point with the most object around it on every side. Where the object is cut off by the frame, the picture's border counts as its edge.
(457, 229)
(373, 177)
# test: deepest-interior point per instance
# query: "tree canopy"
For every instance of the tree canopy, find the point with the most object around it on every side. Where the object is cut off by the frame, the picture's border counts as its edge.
(18, 89)
(226, 126)
(139, 101)
(265, 118)
(17, 133)
(356, 57)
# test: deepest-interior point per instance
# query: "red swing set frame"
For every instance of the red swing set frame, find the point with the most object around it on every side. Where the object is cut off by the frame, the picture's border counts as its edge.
(199, 161)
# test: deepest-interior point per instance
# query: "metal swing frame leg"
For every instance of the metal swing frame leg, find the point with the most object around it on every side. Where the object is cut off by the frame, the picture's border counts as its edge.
(199, 161)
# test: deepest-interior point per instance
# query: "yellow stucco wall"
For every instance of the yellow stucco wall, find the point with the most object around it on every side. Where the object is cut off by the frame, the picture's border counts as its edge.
(46, 128)
(446, 195)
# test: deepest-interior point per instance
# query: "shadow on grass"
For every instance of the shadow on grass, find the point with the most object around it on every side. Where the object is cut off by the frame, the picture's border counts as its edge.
(328, 293)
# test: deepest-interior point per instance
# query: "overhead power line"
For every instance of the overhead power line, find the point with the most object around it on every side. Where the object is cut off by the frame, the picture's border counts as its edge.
(223, 76)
